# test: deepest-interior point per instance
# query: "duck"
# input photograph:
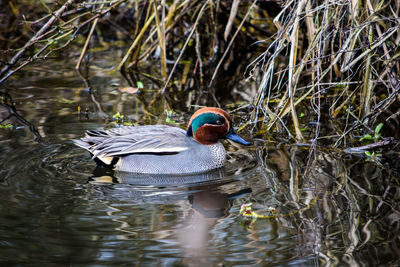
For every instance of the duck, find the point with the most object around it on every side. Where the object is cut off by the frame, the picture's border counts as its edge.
(164, 149)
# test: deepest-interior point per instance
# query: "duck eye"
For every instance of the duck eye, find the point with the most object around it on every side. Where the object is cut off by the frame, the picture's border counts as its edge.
(219, 122)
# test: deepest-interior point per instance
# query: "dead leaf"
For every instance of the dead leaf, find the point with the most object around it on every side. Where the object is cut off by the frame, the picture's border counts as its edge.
(129, 89)
(232, 15)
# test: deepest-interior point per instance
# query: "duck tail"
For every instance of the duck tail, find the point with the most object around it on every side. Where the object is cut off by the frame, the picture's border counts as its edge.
(82, 144)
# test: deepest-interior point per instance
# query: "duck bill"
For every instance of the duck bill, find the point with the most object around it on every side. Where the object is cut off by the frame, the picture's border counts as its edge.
(236, 138)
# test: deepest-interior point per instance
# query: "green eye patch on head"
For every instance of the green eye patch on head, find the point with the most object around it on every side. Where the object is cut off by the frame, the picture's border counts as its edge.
(206, 118)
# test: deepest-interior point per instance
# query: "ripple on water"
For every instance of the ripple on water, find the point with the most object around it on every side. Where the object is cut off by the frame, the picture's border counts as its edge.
(55, 209)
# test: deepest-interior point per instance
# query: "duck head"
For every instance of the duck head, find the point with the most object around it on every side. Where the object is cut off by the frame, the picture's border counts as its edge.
(208, 125)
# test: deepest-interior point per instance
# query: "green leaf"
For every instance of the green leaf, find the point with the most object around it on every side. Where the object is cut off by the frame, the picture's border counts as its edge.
(8, 126)
(63, 100)
(378, 127)
(377, 137)
(140, 84)
(168, 120)
(368, 153)
(366, 137)
(170, 115)
(118, 116)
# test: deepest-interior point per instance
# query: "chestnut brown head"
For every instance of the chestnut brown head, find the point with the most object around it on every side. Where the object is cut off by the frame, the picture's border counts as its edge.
(208, 125)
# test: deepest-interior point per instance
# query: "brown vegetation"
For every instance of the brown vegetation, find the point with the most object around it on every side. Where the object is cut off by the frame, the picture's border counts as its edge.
(335, 63)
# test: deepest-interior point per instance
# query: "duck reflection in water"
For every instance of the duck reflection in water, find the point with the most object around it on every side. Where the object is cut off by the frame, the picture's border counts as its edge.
(207, 194)
(209, 205)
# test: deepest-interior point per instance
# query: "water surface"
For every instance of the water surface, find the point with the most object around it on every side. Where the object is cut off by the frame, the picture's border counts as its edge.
(57, 208)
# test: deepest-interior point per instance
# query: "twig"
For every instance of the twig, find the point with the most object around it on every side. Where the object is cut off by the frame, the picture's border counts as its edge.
(184, 46)
(292, 60)
(128, 53)
(34, 39)
(230, 44)
(161, 37)
(13, 112)
(362, 149)
(78, 64)
(389, 33)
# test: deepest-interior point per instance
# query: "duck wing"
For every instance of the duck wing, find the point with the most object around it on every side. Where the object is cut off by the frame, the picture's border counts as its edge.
(118, 142)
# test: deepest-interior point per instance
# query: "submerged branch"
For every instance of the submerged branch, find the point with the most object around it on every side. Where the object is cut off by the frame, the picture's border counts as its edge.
(7, 103)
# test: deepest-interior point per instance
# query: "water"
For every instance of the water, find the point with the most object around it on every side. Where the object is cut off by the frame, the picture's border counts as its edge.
(58, 209)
